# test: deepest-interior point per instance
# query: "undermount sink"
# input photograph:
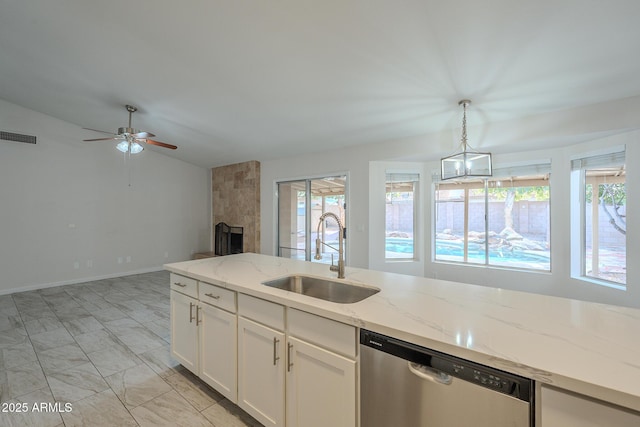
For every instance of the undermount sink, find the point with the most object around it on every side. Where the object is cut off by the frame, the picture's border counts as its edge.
(326, 289)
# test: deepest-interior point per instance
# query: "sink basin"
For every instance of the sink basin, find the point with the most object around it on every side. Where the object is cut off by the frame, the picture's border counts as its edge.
(325, 289)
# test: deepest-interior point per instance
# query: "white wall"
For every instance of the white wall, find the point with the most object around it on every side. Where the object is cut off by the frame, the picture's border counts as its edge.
(67, 212)
(555, 135)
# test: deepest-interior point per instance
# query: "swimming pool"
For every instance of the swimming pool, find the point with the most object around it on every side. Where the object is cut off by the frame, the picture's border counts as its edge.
(452, 250)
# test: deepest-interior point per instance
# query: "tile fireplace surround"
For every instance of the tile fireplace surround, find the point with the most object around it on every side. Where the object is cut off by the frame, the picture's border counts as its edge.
(101, 347)
(236, 200)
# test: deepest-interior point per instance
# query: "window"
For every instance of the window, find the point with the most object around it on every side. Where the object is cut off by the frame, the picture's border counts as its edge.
(600, 209)
(300, 205)
(400, 215)
(503, 221)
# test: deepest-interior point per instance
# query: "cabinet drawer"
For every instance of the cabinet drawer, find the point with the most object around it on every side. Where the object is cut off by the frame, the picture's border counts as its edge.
(265, 312)
(323, 332)
(215, 295)
(184, 285)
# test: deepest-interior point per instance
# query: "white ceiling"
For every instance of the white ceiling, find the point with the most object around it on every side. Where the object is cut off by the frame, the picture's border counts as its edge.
(230, 81)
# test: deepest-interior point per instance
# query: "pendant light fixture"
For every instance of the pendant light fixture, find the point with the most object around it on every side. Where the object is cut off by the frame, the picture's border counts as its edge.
(467, 163)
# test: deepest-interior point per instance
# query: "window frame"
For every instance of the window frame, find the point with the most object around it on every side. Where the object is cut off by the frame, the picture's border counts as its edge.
(612, 158)
(530, 172)
(415, 179)
(309, 226)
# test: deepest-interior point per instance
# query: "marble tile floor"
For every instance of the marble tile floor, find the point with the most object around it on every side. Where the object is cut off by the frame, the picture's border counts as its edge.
(97, 354)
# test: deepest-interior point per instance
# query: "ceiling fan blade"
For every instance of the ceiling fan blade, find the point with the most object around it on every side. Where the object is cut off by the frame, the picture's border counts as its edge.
(101, 131)
(143, 135)
(103, 139)
(161, 144)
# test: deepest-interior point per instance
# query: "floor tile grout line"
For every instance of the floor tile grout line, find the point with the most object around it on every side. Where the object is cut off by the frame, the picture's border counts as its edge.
(38, 360)
(86, 355)
(152, 303)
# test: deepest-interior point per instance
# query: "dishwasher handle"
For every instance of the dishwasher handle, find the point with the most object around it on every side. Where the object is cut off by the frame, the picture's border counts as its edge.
(430, 374)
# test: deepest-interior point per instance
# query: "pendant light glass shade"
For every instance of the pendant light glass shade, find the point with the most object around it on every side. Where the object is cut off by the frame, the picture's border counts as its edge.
(468, 163)
(136, 148)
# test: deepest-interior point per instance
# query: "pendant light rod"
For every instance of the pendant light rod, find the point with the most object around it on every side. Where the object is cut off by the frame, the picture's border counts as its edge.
(465, 103)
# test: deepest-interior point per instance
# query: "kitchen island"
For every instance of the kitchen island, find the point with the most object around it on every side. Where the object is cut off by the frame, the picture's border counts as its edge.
(587, 348)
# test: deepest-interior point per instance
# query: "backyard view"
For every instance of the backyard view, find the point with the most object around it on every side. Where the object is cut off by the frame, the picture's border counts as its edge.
(300, 205)
(505, 224)
(605, 224)
(400, 215)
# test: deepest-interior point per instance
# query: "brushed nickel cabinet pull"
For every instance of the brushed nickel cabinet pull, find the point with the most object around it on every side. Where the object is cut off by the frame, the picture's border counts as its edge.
(290, 364)
(275, 350)
(179, 284)
(213, 296)
(191, 312)
(198, 319)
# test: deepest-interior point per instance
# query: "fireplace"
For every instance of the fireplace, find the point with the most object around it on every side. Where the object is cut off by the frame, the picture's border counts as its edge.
(228, 239)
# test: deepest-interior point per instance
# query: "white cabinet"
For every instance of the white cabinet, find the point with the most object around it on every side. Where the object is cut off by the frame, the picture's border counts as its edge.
(321, 387)
(261, 372)
(281, 365)
(561, 408)
(321, 372)
(300, 375)
(218, 355)
(204, 332)
(261, 359)
(184, 331)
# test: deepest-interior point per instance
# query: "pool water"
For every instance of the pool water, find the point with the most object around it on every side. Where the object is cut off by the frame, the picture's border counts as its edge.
(452, 250)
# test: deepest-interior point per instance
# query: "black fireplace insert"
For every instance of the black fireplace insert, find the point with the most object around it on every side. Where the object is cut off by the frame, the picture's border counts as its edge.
(228, 239)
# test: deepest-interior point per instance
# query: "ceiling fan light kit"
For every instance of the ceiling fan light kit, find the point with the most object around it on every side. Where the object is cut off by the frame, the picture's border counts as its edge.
(468, 163)
(133, 147)
(131, 138)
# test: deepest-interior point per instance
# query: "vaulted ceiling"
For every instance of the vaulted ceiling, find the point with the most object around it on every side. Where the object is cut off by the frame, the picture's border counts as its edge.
(230, 81)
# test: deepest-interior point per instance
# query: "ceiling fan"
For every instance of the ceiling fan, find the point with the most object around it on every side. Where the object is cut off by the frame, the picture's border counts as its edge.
(131, 138)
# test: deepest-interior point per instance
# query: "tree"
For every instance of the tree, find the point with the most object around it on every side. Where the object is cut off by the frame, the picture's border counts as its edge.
(612, 197)
(510, 195)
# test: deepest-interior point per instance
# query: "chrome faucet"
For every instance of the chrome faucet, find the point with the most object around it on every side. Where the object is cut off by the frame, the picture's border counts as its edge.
(340, 267)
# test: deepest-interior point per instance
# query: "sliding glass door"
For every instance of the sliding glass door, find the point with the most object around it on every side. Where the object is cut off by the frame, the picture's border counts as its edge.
(292, 221)
(300, 205)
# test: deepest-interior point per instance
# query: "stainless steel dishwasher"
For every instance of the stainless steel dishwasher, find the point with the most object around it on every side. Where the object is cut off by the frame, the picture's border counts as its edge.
(405, 385)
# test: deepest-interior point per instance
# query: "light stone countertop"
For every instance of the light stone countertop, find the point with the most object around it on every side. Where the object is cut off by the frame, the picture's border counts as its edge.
(593, 349)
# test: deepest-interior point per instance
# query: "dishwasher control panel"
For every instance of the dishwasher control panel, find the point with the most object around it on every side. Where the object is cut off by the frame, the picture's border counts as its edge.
(484, 376)
(489, 379)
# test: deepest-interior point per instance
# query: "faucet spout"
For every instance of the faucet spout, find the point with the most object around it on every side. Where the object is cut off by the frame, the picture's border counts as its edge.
(340, 267)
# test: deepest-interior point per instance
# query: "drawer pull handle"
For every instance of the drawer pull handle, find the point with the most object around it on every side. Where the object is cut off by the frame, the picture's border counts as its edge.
(275, 350)
(290, 364)
(213, 296)
(179, 284)
(191, 312)
(198, 320)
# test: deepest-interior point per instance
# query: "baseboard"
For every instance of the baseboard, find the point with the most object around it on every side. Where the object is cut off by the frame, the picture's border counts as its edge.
(79, 280)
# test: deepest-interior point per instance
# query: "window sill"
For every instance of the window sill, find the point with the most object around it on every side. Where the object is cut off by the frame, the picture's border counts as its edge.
(400, 260)
(492, 267)
(599, 282)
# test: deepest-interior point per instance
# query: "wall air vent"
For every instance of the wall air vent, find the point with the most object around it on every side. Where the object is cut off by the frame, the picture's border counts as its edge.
(17, 137)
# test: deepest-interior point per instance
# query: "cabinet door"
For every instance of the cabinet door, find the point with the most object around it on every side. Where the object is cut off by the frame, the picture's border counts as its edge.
(218, 355)
(321, 387)
(562, 408)
(184, 331)
(261, 365)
